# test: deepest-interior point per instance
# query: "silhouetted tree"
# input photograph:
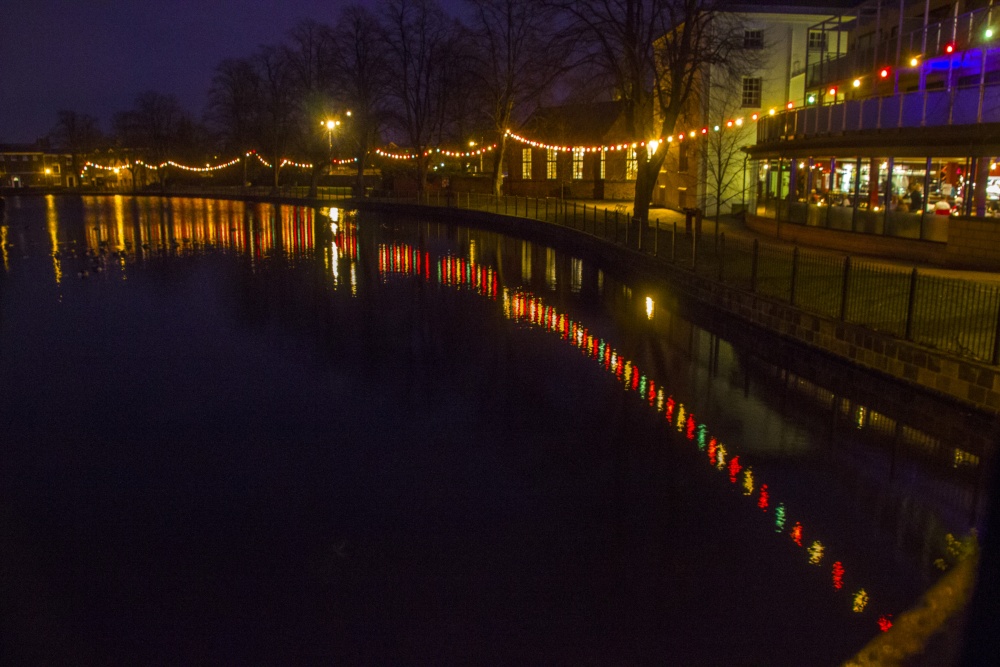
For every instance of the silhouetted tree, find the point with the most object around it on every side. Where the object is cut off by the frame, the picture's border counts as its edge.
(234, 107)
(278, 105)
(154, 129)
(654, 53)
(361, 73)
(514, 60)
(76, 133)
(419, 39)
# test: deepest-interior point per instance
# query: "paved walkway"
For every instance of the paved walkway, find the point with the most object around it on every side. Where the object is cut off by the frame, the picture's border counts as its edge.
(733, 227)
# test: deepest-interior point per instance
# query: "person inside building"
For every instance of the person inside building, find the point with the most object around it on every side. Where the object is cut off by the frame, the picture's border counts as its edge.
(916, 197)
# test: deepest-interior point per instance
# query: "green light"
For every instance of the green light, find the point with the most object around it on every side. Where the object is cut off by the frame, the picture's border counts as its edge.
(812, 99)
(989, 33)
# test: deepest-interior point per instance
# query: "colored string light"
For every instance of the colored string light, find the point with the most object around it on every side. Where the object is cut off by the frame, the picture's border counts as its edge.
(838, 575)
(860, 601)
(815, 552)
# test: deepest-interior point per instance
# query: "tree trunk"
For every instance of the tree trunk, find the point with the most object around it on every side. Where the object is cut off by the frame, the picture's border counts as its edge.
(421, 171)
(275, 171)
(645, 183)
(497, 174)
(317, 171)
(359, 180)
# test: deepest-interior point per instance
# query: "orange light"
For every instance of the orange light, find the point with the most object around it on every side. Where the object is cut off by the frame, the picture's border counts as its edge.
(729, 123)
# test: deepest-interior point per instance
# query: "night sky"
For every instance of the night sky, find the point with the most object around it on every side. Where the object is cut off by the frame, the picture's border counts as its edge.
(94, 57)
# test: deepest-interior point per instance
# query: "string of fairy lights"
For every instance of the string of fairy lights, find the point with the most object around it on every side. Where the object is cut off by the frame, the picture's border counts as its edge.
(651, 145)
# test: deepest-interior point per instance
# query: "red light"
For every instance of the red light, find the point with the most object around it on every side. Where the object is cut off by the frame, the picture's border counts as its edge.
(838, 575)
(797, 533)
(884, 73)
(764, 499)
(790, 105)
(832, 92)
(734, 469)
(949, 47)
(729, 123)
(690, 427)
(704, 130)
(884, 623)
(754, 116)
(670, 409)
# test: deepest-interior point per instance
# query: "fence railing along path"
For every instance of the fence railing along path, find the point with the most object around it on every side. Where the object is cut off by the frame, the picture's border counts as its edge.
(954, 315)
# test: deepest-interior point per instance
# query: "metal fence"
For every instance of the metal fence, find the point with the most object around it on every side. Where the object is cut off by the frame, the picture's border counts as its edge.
(957, 316)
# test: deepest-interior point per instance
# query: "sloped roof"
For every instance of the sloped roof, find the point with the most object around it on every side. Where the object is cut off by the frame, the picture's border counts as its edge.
(578, 124)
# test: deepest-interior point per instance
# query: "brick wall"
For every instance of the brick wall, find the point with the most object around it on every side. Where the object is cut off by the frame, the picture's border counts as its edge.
(973, 243)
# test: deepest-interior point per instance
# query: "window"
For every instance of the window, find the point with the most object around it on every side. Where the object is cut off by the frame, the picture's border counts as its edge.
(55, 168)
(603, 165)
(817, 40)
(526, 163)
(631, 165)
(751, 91)
(753, 39)
(550, 163)
(682, 158)
(577, 164)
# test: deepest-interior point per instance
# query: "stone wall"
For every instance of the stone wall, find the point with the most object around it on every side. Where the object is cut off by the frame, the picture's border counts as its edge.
(973, 243)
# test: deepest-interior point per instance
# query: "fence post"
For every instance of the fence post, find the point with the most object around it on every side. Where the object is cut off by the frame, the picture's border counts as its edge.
(845, 288)
(722, 254)
(753, 265)
(673, 245)
(694, 253)
(911, 303)
(795, 276)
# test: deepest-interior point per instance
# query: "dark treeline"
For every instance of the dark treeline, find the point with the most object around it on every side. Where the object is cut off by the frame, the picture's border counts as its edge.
(407, 74)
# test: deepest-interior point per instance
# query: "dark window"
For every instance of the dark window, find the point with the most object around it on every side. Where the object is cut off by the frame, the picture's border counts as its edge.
(751, 92)
(817, 40)
(753, 39)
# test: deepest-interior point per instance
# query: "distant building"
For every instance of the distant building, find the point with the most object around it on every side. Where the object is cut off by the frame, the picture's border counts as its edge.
(546, 171)
(30, 166)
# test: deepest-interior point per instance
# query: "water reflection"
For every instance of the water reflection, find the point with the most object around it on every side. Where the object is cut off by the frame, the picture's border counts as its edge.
(758, 445)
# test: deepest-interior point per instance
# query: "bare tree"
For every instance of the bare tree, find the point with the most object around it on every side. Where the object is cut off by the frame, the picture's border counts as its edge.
(310, 54)
(361, 74)
(76, 133)
(654, 53)
(419, 38)
(723, 158)
(278, 105)
(154, 128)
(233, 109)
(513, 61)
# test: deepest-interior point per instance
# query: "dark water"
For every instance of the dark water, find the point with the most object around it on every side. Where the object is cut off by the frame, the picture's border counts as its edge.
(232, 435)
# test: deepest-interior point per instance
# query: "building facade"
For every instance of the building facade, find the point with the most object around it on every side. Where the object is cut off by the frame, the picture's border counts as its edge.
(32, 167)
(897, 136)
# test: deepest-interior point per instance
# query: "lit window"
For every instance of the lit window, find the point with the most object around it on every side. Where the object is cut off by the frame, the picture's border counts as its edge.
(550, 164)
(526, 163)
(603, 165)
(577, 164)
(752, 86)
(753, 39)
(631, 165)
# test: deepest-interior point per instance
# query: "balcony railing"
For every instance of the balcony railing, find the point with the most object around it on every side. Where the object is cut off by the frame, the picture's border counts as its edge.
(927, 108)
